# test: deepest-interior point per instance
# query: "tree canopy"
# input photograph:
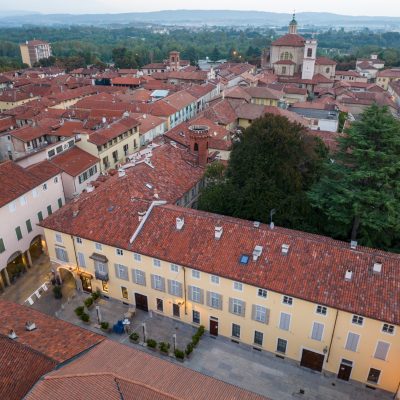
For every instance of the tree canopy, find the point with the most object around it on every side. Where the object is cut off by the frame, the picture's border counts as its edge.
(359, 191)
(272, 166)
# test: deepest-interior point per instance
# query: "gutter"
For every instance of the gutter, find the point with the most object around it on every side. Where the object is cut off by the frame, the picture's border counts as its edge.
(146, 216)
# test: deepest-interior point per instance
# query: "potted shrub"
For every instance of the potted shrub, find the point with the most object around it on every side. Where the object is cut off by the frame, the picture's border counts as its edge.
(105, 326)
(134, 337)
(57, 292)
(152, 344)
(96, 295)
(201, 330)
(79, 310)
(164, 347)
(179, 354)
(88, 302)
(189, 349)
(195, 339)
(85, 317)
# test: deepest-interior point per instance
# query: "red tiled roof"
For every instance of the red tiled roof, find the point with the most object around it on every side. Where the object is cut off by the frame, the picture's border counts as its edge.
(290, 40)
(43, 170)
(54, 338)
(264, 93)
(132, 375)
(389, 73)
(313, 270)
(179, 99)
(18, 180)
(126, 81)
(20, 368)
(74, 161)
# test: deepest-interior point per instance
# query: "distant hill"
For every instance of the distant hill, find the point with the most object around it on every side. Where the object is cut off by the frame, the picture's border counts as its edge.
(198, 18)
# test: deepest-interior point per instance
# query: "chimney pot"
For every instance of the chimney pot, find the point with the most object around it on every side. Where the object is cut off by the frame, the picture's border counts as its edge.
(12, 335)
(218, 232)
(179, 223)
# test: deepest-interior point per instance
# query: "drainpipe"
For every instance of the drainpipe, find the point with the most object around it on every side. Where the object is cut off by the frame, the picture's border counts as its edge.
(333, 333)
(184, 290)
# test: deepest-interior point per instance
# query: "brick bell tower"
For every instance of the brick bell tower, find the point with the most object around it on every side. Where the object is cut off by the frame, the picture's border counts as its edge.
(198, 138)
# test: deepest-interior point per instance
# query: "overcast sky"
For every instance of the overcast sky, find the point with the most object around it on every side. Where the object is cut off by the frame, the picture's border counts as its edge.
(349, 7)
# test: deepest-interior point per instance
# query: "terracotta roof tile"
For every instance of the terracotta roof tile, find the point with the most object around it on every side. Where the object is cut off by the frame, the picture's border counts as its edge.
(292, 40)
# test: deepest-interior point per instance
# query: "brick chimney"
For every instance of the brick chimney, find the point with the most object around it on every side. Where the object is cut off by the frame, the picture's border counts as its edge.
(198, 138)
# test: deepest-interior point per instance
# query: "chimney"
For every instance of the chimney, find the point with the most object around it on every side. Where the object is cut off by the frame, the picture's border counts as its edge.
(257, 252)
(218, 232)
(349, 275)
(271, 226)
(353, 244)
(12, 335)
(30, 326)
(256, 224)
(377, 268)
(285, 249)
(179, 223)
(141, 214)
(75, 209)
(121, 172)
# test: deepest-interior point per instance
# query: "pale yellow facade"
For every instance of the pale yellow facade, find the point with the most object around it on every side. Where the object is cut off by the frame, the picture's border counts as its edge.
(125, 144)
(334, 325)
(25, 54)
(264, 102)
(8, 105)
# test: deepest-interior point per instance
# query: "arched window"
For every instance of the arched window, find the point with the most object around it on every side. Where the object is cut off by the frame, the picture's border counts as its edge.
(309, 52)
(196, 147)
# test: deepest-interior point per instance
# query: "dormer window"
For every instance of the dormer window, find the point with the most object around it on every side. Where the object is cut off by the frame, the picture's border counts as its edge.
(244, 259)
(357, 320)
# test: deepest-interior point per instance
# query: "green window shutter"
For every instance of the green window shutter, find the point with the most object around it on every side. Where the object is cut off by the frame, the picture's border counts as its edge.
(49, 210)
(59, 202)
(40, 216)
(18, 233)
(29, 226)
(2, 247)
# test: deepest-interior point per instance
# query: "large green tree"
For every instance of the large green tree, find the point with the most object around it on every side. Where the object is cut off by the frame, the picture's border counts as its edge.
(272, 166)
(360, 189)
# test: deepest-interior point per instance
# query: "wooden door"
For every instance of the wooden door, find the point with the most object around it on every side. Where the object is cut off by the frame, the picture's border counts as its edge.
(312, 360)
(141, 302)
(213, 327)
(176, 310)
(344, 372)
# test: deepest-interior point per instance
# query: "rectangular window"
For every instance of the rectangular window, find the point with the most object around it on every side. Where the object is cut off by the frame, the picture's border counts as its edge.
(176, 310)
(81, 260)
(352, 341)
(287, 300)
(357, 320)
(137, 257)
(59, 202)
(195, 274)
(124, 292)
(284, 322)
(196, 317)
(22, 201)
(237, 307)
(174, 268)
(139, 277)
(61, 254)
(59, 238)
(373, 375)
(44, 187)
(214, 300)
(40, 216)
(196, 294)
(18, 233)
(78, 240)
(174, 288)
(28, 226)
(158, 283)
(388, 328)
(156, 263)
(214, 279)
(49, 210)
(258, 338)
(99, 246)
(317, 331)
(281, 346)
(100, 267)
(382, 350)
(2, 247)
(238, 286)
(236, 330)
(260, 314)
(12, 207)
(35, 193)
(262, 293)
(321, 310)
(160, 305)
(119, 252)
(121, 271)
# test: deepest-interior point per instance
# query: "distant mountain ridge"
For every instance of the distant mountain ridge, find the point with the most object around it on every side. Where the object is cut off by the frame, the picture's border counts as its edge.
(200, 17)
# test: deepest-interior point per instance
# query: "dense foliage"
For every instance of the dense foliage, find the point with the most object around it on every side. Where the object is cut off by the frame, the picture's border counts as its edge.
(359, 191)
(272, 166)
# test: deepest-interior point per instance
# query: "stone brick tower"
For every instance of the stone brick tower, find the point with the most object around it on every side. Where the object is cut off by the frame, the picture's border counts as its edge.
(174, 61)
(198, 139)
